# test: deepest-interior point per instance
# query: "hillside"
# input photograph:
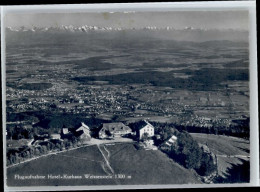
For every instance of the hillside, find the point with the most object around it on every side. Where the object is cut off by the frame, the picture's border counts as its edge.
(233, 156)
(147, 166)
(144, 167)
(233, 145)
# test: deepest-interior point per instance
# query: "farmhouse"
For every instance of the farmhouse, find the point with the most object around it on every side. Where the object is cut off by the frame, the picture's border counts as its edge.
(110, 130)
(82, 132)
(144, 127)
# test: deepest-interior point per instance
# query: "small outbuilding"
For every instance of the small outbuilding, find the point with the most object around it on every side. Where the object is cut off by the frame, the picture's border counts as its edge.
(172, 141)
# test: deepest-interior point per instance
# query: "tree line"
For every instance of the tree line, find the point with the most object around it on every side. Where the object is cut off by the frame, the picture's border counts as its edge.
(21, 154)
(186, 151)
(240, 128)
(19, 132)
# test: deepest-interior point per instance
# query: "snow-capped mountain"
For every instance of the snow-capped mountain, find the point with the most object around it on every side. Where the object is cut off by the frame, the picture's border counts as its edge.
(187, 33)
(87, 28)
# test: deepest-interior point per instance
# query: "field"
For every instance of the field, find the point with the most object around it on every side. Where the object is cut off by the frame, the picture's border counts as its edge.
(223, 145)
(232, 154)
(147, 166)
(81, 161)
(144, 167)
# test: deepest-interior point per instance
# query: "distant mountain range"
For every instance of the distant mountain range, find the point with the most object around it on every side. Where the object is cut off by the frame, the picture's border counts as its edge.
(87, 28)
(147, 32)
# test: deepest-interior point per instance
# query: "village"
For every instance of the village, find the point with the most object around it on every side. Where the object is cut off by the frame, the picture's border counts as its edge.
(107, 101)
(143, 133)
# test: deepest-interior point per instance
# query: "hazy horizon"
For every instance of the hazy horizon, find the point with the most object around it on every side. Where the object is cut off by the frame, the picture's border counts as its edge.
(176, 19)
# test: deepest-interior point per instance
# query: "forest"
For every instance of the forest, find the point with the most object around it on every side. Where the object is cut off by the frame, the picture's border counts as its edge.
(201, 80)
(186, 151)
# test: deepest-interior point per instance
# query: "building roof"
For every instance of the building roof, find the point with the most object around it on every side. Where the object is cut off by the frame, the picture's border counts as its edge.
(115, 127)
(83, 126)
(172, 139)
(141, 124)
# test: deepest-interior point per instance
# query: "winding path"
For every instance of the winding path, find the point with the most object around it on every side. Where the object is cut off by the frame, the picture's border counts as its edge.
(108, 153)
(106, 160)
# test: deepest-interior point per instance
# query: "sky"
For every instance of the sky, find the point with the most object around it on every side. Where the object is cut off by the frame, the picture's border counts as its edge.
(176, 19)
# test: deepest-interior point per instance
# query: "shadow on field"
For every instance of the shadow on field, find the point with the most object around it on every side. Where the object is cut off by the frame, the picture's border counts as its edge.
(244, 149)
(236, 174)
(245, 142)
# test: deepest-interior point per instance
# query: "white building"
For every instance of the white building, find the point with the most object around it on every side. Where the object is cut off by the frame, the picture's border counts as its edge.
(84, 128)
(143, 127)
(83, 132)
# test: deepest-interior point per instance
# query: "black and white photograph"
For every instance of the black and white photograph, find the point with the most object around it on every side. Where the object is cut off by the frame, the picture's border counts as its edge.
(128, 96)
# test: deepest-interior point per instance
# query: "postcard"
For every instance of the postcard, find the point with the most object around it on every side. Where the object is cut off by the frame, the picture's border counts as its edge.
(121, 96)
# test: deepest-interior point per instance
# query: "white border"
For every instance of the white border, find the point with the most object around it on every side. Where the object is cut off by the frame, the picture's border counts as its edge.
(3, 92)
(253, 87)
(144, 7)
(128, 7)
